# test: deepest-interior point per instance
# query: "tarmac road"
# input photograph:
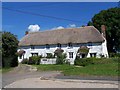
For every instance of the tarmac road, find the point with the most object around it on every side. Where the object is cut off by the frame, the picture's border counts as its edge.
(23, 72)
(25, 76)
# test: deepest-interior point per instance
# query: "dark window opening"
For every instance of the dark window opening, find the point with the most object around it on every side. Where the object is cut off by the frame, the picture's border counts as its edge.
(70, 54)
(69, 44)
(34, 54)
(59, 45)
(90, 44)
(32, 47)
(47, 46)
(92, 54)
(83, 55)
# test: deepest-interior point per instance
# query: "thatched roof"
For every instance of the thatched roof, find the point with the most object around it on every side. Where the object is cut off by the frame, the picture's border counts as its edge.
(62, 36)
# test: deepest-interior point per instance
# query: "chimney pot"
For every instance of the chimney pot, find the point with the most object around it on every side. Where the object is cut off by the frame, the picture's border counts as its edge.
(26, 32)
(103, 30)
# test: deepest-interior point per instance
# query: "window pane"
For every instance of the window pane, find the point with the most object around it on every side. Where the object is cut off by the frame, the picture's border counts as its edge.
(69, 44)
(47, 46)
(59, 45)
(70, 54)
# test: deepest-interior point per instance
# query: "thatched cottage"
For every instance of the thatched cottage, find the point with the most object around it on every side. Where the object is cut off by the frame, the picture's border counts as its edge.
(72, 41)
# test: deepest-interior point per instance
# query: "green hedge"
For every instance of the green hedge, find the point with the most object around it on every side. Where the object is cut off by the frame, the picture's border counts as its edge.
(34, 60)
(50, 55)
(114, 55)
(88, 61)
(25, 61)
(10, 61)
(83, 61)
(61, 58)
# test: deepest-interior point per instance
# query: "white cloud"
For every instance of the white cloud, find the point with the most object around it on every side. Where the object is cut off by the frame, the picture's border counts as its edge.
(71, 26)
(59, 27)
(34, 28)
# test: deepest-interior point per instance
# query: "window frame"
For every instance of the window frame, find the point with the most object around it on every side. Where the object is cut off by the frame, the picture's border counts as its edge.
(47, 46)
(70, 54)
(59, 45)
(32, 47)
(70, 45)
(34, 54)
(93, 54)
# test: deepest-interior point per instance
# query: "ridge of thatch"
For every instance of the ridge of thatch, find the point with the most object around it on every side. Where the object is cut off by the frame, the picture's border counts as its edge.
(63, 36)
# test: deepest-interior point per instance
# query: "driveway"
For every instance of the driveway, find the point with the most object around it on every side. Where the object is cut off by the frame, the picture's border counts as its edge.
(23, 72)
(52, 79)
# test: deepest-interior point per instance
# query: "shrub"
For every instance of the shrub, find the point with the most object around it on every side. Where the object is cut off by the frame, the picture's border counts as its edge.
(83, 61)
(14, 61)
(50, 55)
(10, 61)
(88, 61)
(25, 61)
(61, 58)
(114, 54)
(34, 60)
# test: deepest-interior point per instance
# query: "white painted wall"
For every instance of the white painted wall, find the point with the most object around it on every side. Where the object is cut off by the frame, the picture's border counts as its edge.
(98, 48)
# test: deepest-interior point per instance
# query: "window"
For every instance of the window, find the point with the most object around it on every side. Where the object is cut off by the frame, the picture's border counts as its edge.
(69, 44)
(47, 46)
(34, 54)
(59, 45)
(89, 43)
(70, 54)
(92, 54)
(32, 47)
(83, 55)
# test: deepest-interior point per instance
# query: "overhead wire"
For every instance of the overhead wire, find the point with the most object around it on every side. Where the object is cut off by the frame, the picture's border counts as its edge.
(37, 14)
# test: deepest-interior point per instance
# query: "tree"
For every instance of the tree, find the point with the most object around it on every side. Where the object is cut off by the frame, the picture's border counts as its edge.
(110, 18)
(9, 49)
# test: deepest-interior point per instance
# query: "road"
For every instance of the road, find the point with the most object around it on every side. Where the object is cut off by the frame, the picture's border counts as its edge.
(23, 72)
(25, 76)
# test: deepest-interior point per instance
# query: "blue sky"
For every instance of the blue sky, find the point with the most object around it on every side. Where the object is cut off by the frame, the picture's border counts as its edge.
(17, 22)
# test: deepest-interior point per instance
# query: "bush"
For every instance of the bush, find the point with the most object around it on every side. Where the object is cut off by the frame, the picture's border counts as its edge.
(34, 60)
(10, 61)
(14, 62)
(114, 54)
(25, 61)
(83, 61)
(50, 55)
(61, 58)
(88, 61)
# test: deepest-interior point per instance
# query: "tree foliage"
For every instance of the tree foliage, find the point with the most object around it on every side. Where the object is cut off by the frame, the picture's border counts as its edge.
(9, 49)
(111, 19)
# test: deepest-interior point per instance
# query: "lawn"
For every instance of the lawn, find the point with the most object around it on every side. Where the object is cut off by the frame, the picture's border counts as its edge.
(107, 69)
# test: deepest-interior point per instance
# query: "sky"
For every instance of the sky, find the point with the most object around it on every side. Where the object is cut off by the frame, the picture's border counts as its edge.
(18, 17)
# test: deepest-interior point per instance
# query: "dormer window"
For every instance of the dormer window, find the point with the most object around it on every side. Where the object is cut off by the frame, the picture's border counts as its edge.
(89, 43)
(70, 45)
(59, 45)
(47, 46)
(32, 47)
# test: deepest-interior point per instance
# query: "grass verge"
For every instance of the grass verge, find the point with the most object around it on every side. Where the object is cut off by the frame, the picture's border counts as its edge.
(109, 69)
(5, 70)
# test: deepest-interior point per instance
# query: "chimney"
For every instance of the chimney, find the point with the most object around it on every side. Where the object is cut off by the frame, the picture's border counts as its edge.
(103, 30)
(26, 32)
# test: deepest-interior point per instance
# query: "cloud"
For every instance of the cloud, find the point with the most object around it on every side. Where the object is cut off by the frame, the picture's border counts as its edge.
(34, 28)
(59, 27)
(71, 26)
